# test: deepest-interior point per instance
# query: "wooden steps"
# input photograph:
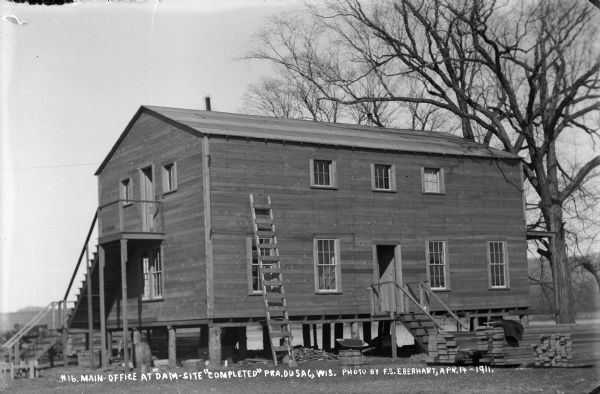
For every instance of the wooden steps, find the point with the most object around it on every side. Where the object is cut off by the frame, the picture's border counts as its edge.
(420, 326)
(280, 333)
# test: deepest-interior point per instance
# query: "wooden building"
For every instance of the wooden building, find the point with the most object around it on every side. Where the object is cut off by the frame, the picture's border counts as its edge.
(365, 218)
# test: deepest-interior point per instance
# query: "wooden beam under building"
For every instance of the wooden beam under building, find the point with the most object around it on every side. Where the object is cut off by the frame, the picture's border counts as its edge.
(103, 347)
(124, 303)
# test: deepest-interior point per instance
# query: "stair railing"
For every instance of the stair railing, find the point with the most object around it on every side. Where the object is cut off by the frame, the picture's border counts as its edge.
(375, 295)
(84, 251)
(52, 307)
(425, 291)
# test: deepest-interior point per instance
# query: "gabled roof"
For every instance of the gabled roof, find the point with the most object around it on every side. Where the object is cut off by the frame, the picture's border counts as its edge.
(213, 123)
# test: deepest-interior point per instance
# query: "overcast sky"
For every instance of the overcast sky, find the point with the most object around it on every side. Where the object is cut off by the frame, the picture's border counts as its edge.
(71, 79)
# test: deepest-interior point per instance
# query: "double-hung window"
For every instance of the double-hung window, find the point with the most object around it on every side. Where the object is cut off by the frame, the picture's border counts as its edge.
(498, 276)
(327, 265)
(383, 177)
(437, 264)
(323, 174)
(432, 180)
(152, 269)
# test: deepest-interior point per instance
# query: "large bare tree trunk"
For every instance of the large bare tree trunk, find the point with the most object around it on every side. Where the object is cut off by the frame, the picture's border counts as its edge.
(560, 269)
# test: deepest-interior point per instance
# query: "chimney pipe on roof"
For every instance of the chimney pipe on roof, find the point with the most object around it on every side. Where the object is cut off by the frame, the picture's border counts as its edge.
(207, 103)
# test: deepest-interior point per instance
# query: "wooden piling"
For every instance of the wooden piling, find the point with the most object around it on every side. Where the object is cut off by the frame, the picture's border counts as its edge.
(214, 346)
(172, 346)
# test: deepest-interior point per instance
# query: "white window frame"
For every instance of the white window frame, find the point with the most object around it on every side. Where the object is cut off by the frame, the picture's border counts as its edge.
(391, 169)
(165, 177)
(332, 174)
(252, 262)
(126, 191)
(444, 265)
(441, 186)
(492, 264)
(152, 279)
(337, 266)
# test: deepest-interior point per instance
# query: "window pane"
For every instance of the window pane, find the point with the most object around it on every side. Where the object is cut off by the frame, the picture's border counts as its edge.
(431, 180)
(322, 172)
(382, 176)
(326, 264)
(437, 263)
(497, 264)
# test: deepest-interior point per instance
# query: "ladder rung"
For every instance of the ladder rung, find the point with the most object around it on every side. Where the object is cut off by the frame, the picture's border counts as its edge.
(259, 205)
(276, 308)
(263, 221)
(274, 295)
(269, 258)
(280, 348)
(280, 322)
(281, 334)
(271, 270)
(265, 233)
(267, 246)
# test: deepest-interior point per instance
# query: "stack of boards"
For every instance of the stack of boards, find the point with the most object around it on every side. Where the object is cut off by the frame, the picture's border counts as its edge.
(560, 345)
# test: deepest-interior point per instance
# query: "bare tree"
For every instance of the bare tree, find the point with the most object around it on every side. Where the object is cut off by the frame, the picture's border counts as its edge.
(518, 75)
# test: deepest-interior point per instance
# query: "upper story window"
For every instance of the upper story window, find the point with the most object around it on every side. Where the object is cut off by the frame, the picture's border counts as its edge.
(437, 264)
(126, 191)
(497, 264)
(383, 177)
(327, 265)
(432, 180)
(152, 273)
(323, 173)
(169, 177)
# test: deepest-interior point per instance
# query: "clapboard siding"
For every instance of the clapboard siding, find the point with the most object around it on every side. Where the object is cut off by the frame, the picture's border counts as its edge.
(151, 141)
(482, 202)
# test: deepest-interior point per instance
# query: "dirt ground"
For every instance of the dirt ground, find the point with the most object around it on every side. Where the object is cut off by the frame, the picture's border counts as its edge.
(380, 375)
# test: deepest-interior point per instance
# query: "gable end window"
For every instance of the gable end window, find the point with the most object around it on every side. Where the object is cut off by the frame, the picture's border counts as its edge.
(126, 191)
(254, 279)
(327, 266)
(437, 265)
(323, 174)
(383, 177)
(432, 180)
(152, 270)
(169, 177)
(497, 262)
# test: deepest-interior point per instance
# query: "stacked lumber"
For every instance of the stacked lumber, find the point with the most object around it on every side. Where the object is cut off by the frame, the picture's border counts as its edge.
(309, 354)
(493, 339)
(449, 347)
(554, 350)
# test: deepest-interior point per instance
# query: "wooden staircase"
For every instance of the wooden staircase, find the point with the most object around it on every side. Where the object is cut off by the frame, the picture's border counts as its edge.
(418, 321)
(420, 326)
(277, 322)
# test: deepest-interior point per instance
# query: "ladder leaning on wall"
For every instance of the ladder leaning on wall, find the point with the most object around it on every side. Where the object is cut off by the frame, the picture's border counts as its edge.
(271, 280)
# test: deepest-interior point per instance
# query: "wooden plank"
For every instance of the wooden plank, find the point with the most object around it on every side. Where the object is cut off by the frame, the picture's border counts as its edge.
(208, 247)
(124, 312)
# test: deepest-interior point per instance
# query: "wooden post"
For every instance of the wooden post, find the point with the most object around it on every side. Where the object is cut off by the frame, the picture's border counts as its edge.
(103, 347)
(90, 307)
(242, 343)
(208, 247)
(338, 332)
(214, 346)
(315, 342)
(306, 335)
(65, 333)
(107, 348)
(124, 303)
(172, 346)
(367, 331)
(265, 340)
(326, 331)
(394, 340)
(31, 369)
(354, 331)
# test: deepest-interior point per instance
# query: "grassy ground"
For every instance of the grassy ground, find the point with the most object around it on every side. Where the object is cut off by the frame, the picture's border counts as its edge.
(389, 378)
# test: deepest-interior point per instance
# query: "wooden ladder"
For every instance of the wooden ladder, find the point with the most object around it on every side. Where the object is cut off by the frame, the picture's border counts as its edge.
(267, 252)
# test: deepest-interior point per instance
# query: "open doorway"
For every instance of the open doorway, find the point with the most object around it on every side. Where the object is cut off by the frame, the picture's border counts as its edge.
(389, 274)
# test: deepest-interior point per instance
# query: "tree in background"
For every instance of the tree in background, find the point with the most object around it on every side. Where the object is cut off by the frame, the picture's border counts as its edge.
(522, 76)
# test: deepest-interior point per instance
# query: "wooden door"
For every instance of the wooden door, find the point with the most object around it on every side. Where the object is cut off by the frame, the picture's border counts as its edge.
(390, 270)
(147, 197)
